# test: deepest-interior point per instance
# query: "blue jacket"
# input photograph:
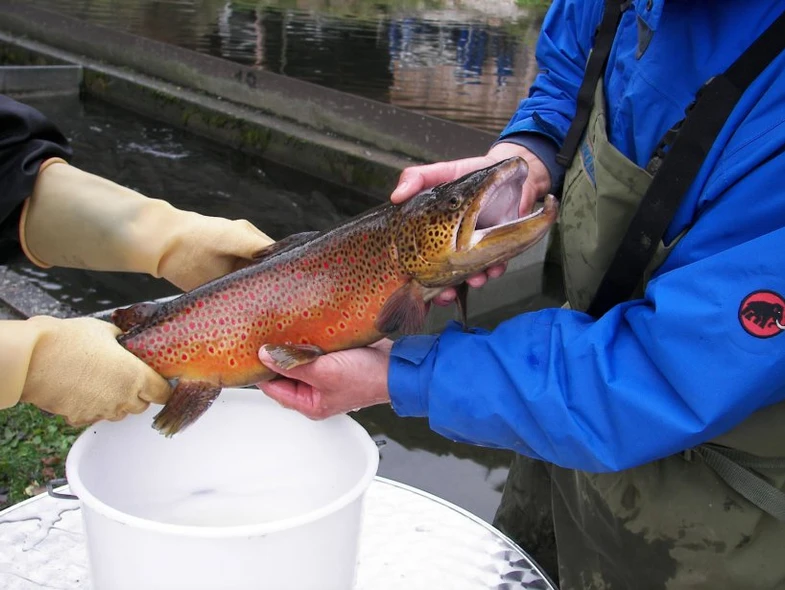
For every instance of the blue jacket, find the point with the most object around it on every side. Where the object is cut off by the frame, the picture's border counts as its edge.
(661, 374)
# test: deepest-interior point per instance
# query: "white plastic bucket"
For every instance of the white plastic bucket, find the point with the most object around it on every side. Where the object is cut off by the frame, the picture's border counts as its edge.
(251, 496)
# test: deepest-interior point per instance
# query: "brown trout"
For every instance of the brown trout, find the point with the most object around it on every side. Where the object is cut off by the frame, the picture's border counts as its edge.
(319, 292)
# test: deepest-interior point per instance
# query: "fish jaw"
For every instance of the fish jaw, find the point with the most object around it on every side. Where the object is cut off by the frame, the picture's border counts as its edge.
(495, 202)
(492, 245)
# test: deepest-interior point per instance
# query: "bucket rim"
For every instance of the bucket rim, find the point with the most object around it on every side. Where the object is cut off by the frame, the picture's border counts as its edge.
(91, 501)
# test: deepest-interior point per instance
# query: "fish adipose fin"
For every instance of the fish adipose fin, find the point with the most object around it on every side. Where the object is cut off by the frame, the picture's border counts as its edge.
(135, 315)
(189, 400)
(289, 356)
(405, 310)
(284, 244)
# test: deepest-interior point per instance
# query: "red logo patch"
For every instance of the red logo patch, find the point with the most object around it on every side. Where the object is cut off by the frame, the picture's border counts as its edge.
(761, 314)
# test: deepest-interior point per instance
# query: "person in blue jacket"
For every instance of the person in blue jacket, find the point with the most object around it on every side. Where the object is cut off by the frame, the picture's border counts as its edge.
(660, 422)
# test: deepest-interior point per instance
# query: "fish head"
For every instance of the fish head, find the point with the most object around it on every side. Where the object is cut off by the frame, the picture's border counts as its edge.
(459, 228)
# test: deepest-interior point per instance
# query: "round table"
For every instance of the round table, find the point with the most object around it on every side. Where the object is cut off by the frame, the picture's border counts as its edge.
(410, 539)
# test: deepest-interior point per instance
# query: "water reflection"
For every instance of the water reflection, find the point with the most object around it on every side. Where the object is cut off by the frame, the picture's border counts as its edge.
(468, 61)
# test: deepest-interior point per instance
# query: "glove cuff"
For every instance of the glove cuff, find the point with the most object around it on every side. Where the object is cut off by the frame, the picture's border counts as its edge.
(25, 212)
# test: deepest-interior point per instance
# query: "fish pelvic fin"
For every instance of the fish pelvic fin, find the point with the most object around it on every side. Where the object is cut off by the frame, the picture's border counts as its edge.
(289, 356)
(189, 400)
(129, 318)
(405, 310)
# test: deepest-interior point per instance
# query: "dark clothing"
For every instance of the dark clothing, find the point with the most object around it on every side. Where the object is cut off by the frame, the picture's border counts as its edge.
(27, 138)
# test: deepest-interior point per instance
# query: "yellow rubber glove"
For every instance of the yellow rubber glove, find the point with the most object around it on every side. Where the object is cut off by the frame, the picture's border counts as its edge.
(74, 368)
(79, 220)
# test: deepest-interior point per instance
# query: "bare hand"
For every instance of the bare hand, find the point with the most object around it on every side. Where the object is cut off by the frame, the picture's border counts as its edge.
(415, 179)
(335, 383)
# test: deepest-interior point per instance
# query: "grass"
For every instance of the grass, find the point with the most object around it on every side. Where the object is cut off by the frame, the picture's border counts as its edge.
(33, 447)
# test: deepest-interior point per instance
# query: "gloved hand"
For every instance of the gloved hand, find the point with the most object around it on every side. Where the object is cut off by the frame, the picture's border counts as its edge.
(79, 220)
(74, 368)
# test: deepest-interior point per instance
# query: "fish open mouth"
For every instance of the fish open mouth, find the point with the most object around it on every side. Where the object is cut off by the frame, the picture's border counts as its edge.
(497, 205)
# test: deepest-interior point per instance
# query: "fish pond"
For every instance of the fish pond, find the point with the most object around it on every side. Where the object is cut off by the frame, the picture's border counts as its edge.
(469, 61)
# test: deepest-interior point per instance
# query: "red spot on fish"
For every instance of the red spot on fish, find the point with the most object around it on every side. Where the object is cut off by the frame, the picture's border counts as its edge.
(184, 357)
(365, 237)
(221, 321)
(339, 259)
(200, 303)
(150, 353)
(211, 349)
(225, 297)
(347, 288)
(188, 310)
(304, 341)
(351, 259)
(289, 299)
(232, 362)
(345, 314)
(326, 265)
(331, 331)
(279, 325)
(299, 275)
(386, 276)
(276, 287)
(167, 327)
(192, 325)
(169, 351)
(159, 339)
(342, 326)
(243, 336)
(321, 301)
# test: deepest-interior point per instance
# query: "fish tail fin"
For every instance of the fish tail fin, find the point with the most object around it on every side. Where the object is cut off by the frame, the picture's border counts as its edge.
(189, 400)
(128, 318)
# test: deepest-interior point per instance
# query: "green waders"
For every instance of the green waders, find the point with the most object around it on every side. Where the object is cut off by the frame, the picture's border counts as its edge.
(672, 524)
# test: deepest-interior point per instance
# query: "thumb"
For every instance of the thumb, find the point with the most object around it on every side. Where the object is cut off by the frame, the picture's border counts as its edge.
(410, 183)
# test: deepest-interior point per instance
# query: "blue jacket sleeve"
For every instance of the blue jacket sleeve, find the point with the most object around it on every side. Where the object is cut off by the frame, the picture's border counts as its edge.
(653, 376)
(562, 49)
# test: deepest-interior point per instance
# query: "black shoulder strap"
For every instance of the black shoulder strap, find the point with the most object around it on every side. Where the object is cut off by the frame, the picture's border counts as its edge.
(595, 66)
(698, 131)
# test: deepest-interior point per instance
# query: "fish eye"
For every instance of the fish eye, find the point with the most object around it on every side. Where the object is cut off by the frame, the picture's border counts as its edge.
(454, 202)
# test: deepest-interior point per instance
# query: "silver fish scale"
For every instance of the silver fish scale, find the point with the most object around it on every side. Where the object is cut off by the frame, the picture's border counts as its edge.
(409, 539)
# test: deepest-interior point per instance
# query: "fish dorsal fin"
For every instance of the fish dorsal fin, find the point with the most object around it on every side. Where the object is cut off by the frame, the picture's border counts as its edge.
(284, 244)
(129, 318)
(405, 310)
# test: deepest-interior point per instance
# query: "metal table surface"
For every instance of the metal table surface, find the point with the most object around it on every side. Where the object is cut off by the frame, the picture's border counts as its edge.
(410, 539)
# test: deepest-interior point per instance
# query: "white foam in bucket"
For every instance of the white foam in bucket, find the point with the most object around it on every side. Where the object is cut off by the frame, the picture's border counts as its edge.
(251, 496)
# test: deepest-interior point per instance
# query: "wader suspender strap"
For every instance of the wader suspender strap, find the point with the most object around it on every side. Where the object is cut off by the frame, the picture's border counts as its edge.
(692, 139)
(739, 470)
(595, 66)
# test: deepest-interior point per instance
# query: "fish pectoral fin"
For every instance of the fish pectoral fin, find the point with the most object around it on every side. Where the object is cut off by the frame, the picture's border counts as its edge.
(286, 243)
(289, 356)
(405, 310)
(135, 315)
(461, 302)
(189, 400)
